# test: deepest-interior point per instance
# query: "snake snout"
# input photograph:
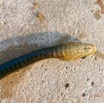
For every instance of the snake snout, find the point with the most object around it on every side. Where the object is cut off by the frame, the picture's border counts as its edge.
(90, 48)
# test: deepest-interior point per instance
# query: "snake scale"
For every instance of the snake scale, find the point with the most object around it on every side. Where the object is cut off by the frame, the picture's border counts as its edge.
(65, 51)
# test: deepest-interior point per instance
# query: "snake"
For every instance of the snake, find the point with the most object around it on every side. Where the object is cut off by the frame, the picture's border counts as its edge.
(65, 51)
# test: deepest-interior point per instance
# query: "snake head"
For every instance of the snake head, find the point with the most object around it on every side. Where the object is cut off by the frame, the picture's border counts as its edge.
(76, 50)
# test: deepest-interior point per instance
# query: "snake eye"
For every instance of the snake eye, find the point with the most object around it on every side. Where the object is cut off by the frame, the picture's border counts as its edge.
(83, 57)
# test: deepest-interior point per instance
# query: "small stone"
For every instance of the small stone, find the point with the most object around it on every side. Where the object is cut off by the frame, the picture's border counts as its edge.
(66, 85)
(92, 83)
(83, 94)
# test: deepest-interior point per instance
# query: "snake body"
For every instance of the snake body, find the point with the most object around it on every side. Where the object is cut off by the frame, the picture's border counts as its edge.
(64, 51)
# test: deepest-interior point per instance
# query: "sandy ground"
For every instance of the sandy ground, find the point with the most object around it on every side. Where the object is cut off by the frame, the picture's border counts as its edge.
(52, 81)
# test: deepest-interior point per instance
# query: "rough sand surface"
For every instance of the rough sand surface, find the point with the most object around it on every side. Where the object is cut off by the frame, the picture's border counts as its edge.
(26, 26)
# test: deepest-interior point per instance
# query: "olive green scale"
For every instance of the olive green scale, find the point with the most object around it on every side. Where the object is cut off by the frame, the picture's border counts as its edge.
(64, 51)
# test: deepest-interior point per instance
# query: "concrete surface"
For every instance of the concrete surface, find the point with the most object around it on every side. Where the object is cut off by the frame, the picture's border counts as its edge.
(52, 80)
